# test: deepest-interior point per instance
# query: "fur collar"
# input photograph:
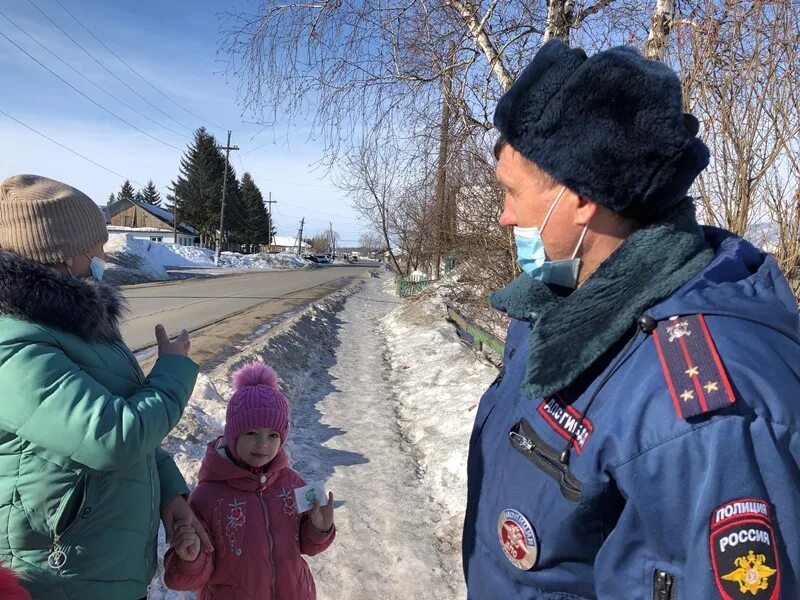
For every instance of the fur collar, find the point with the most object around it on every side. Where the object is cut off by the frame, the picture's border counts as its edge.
(573, 331)
(33, 292)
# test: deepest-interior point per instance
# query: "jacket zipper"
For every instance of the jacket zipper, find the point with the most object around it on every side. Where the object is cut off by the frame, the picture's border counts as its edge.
(134, 368)
(269, 539)
(528, 443)
(155, 514)
(663, 585)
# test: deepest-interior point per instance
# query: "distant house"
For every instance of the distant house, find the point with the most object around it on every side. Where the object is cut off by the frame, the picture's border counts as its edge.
(286, 244)
(147, 222)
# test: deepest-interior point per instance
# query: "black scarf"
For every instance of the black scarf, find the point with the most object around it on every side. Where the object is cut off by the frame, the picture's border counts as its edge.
(573, 330)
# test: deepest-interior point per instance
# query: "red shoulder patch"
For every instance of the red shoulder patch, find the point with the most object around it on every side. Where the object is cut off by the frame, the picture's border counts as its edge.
(692, 367)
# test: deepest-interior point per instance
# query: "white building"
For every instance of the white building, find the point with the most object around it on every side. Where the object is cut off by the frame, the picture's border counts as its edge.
(154, 234)
(282, 243)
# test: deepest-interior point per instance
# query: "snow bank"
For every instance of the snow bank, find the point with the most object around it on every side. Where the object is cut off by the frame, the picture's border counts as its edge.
(437, 383)
(271, 262)
(138, 261)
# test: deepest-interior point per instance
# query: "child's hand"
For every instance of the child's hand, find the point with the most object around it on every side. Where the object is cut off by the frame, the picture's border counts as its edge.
(185, 541)
(322, 517)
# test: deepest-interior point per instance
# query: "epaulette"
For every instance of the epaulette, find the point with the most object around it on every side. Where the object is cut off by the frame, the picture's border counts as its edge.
(694, 372)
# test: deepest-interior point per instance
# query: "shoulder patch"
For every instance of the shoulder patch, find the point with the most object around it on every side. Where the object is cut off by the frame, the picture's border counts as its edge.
(743, 551)
(692, 368)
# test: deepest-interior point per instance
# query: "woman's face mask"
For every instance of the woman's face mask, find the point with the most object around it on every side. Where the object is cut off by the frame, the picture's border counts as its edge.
(532, 258)
(97, 266)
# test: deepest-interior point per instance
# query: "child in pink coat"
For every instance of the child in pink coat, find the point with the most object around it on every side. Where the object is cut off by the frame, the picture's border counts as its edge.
(245, 497)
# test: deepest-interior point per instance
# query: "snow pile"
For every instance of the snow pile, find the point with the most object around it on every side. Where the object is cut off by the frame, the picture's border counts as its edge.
(137, 261)
(437, 383)
(156, 256)
(264, 261)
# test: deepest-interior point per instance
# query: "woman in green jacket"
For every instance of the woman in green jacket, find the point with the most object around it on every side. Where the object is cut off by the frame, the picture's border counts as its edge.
(83, 480)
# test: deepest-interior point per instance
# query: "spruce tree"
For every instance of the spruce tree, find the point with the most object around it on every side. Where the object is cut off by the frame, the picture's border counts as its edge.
(150, 194)
(198, 188)
(259, 229)
(126, 192)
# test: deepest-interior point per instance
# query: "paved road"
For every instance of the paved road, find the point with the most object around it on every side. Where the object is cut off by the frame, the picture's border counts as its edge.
(195, 303)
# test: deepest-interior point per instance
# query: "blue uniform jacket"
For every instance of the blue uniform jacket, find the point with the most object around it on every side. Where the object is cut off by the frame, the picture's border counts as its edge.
(651, 505)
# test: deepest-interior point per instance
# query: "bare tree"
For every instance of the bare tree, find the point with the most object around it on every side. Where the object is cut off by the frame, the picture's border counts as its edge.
(655, 47)
(372, 177)
(739, 72)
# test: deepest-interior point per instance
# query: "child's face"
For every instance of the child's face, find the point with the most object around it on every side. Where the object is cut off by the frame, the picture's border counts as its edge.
(257, 447)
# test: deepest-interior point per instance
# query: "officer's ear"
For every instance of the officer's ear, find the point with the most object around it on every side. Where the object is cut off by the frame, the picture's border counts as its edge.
(585, 210)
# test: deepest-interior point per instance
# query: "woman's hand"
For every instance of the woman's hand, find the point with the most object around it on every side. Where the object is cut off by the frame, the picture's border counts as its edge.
(180, 346)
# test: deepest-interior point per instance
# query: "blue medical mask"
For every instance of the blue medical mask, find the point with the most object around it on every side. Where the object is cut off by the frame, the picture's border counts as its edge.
(97, 266)
(532, 258)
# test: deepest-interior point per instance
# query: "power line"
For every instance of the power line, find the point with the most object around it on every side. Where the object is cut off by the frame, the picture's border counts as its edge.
(257, 147)
(69, 149)
(41, 64)
(119, 58)
(65, 63)
(318, 211)
(57, 26)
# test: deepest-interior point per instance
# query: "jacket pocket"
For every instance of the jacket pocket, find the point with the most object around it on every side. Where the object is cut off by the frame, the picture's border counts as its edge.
(74, 507)
(528, 443)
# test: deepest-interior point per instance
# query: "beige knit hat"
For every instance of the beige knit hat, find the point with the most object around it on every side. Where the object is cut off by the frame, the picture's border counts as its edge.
(48, 221)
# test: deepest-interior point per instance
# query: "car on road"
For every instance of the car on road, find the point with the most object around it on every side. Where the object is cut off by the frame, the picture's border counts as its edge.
(324, 259)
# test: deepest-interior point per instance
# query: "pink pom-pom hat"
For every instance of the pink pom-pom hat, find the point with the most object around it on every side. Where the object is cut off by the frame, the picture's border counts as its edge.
(256, 402)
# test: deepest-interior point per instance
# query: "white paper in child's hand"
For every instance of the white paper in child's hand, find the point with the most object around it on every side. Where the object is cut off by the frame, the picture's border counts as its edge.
(306, 495)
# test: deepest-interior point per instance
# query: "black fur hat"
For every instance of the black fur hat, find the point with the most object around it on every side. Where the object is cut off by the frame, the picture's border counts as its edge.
(610, 127)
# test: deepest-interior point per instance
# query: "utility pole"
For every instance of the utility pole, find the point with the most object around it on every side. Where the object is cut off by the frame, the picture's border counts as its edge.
(330, 240)
(300, 236)
(269, 204)
(175, 222)
(227, 149)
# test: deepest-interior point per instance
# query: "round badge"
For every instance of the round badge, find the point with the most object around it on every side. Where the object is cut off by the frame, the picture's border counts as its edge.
(518, 539)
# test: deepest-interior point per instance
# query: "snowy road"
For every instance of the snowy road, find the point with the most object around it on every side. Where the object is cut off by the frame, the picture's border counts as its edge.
(192, 304)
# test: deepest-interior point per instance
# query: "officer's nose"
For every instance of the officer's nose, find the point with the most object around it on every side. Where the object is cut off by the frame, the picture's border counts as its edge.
(507, 217)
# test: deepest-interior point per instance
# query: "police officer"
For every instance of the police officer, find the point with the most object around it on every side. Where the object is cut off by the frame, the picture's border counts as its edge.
(644, 436)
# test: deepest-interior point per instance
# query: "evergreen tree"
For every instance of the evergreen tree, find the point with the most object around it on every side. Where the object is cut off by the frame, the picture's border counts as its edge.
(126, 192)
(197, 192)
(197, 186)
(150, 194)
(111, 199)
(259, 230)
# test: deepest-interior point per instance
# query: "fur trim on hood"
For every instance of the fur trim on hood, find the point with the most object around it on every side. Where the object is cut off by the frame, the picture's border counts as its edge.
(39, 294)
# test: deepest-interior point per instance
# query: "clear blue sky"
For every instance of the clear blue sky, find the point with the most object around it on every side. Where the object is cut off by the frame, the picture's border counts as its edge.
(174, 46)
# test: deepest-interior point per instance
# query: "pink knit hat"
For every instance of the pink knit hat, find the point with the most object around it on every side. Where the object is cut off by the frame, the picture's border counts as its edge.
(257, 402)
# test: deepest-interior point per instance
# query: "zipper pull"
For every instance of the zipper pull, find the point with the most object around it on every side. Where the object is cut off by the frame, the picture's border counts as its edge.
(57, 557)
(662, 586)
(520, 440)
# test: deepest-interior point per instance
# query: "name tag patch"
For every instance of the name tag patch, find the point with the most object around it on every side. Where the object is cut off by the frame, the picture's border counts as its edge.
(566, 421)
(743, 552)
